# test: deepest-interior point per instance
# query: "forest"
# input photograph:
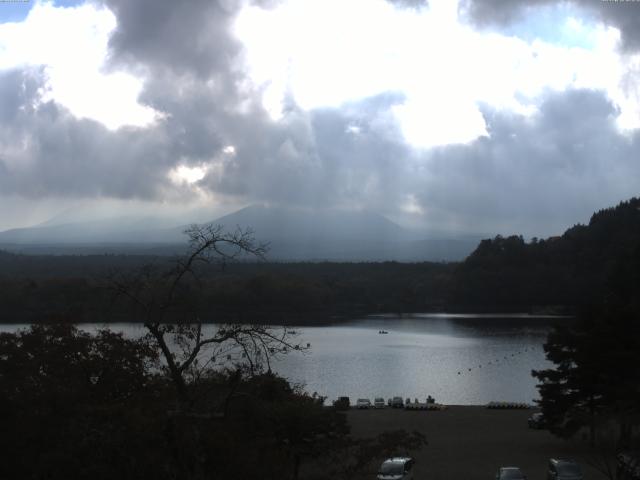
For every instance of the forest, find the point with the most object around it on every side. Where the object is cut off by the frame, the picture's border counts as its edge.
(503, 274)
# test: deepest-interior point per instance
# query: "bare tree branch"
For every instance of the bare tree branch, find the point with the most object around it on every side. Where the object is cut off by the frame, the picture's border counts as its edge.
(155, 294)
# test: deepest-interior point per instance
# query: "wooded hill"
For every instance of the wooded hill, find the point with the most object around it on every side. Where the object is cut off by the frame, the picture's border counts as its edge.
(561, 271)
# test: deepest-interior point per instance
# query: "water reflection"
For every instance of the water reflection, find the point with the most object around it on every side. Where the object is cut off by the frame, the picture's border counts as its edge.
(458, 359)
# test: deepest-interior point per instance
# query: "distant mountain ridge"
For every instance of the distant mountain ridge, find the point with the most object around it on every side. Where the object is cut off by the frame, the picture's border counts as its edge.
(278, 222)
(294, 234)
(116, 230)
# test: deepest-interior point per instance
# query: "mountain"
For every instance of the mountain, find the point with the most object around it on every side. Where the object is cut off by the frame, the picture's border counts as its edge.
(294, 234)
(111, 230)
(341, 235)
(282, 223)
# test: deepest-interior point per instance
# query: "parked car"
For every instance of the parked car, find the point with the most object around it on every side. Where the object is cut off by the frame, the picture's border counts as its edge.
(378, 402)
(560, 469)
(342, 403)
(363, 403)
(536, 420)
(510, 473)
(396, 468)
(397, 402)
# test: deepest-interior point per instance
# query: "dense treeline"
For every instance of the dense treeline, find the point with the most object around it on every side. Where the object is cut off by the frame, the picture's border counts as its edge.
(503, 274)
(560, 271)
(595, 382)
(239, 291)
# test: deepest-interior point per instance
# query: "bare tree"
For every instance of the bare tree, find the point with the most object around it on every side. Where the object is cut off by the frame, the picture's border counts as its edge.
(164, 301)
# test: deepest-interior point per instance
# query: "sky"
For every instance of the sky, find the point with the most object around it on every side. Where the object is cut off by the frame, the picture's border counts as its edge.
(469, 116)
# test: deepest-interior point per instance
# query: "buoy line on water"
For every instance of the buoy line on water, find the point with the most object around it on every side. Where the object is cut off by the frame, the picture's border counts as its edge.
(506, 357)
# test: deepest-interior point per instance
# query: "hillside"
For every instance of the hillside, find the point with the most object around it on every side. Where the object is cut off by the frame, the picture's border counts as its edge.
(342, 235)
(562, 271)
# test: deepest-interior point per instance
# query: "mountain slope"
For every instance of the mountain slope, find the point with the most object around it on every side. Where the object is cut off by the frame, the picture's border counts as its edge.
(294, 235)
(341, 235)
(278, 222)
(114, 230)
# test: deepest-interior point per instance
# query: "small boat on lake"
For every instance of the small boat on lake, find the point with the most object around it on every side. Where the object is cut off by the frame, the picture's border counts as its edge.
(382, 332)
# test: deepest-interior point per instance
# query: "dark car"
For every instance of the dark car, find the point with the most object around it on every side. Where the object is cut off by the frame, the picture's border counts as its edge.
(510, 473)
(560, 469)
(536, 420)
(342, 403)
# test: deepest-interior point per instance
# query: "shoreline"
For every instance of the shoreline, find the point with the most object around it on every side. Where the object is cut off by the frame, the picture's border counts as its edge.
(322, 319)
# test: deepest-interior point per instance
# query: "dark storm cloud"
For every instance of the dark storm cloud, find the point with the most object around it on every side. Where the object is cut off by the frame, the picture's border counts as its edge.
(325, 157)
(549, 170)
(190, 37)
(624, 15)
(498, 12)
(17, 91)
(47, 151)
(363, 152)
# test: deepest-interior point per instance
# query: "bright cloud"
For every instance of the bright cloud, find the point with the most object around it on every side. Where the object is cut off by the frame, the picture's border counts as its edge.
(184, 174)
(329, 52)
(71, 43)
(229, 150)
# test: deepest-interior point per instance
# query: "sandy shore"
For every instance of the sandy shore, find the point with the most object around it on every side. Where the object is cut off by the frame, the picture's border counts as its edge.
(469, 443)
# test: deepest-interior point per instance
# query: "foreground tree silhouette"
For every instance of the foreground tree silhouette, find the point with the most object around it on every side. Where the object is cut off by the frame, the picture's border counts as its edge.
(596, 380)
(79, 405)
(167, 304)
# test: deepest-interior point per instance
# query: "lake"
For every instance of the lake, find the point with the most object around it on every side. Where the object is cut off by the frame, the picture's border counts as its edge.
(461, 359)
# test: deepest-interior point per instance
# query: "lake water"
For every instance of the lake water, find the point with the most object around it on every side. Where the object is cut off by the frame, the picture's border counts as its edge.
(458, 359)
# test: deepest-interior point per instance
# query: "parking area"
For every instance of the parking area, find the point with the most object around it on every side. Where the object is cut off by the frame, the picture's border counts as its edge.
(469, 443)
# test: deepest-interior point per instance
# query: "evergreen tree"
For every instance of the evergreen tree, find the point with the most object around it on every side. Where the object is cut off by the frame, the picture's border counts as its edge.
(596, 378)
